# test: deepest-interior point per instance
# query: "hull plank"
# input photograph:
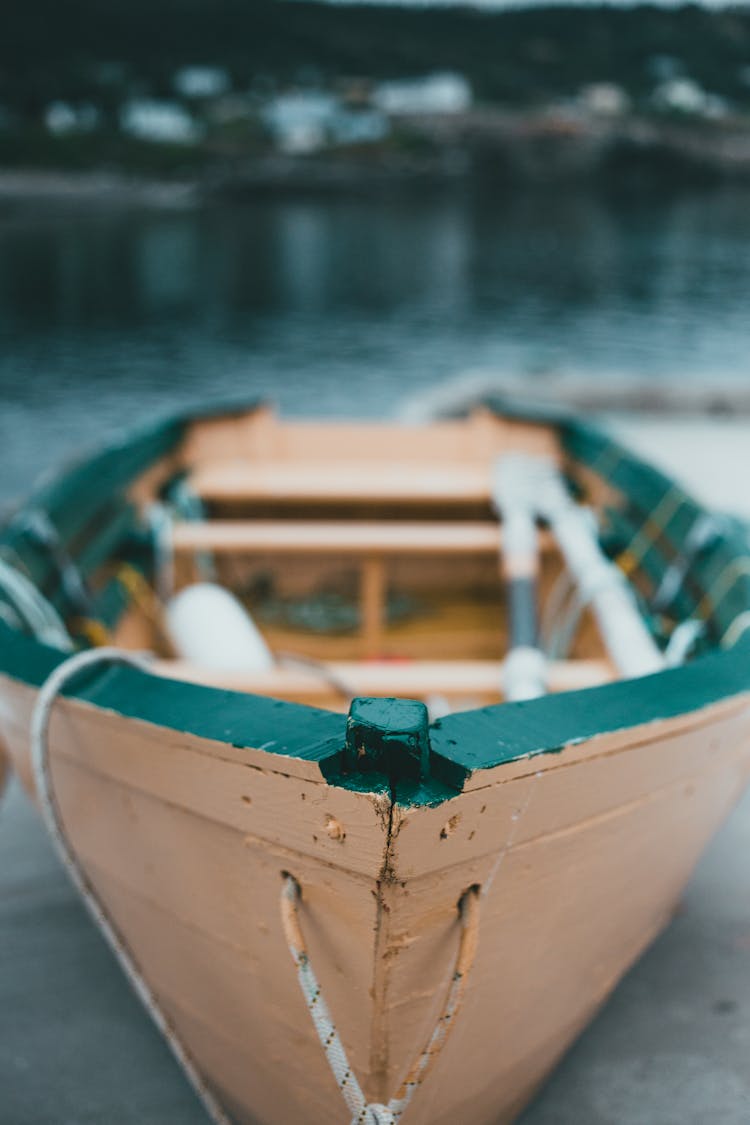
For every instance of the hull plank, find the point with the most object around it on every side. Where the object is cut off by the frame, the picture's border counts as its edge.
(566, 852)
(211, 780)
(248, 1012)
(261, 438)
(555, 793)
(563, 918)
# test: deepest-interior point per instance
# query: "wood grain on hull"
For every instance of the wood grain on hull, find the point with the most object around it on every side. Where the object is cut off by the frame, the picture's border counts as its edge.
(581, 854)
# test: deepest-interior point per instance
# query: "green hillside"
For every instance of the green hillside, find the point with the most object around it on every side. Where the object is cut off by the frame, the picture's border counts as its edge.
(56, 48)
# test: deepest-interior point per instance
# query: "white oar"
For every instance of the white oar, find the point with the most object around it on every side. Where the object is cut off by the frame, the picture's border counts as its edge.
(524, 671)
(601, 584)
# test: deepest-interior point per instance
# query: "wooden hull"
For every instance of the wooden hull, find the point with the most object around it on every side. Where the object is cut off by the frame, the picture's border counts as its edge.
(581, 856)
(579, 816)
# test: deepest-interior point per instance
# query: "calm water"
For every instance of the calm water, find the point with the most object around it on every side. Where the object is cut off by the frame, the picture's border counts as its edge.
(108, 316)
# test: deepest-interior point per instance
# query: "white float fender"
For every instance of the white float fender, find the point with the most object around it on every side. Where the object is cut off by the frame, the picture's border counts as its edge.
(210, 628)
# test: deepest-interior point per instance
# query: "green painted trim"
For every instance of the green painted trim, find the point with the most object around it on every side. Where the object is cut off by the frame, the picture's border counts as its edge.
(388, 736)
(72, 500)
(289, 729)
(482, 739)
(470, 741)
(83, 502)
(74, 497)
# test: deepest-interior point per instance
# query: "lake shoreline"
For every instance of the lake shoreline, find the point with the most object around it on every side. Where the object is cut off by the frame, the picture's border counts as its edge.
(485, 149)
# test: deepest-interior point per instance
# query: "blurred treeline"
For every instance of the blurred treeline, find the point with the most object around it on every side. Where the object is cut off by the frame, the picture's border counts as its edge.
(96, 50)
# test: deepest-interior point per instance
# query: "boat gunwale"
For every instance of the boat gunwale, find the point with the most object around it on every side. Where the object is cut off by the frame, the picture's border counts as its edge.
(461, 744)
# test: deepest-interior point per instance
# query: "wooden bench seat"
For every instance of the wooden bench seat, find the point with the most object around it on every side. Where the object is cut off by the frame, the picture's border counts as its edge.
(453, 679)
(341, 482)
(340, 537)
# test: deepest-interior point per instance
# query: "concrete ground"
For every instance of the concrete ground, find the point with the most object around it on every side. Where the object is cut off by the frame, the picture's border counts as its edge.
(672, 1046)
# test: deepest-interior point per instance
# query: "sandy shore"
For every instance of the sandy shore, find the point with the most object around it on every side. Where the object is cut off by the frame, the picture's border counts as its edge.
(29, 186)
(709, 457)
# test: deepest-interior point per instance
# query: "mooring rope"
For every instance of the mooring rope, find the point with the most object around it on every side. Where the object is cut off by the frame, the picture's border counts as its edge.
(40, 721)
(364, 1112)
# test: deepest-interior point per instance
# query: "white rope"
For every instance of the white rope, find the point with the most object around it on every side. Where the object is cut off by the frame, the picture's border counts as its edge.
(40, 722)
(558, 608)
(31, 608)
(737, 629)
(364, 1112)
(682, 641)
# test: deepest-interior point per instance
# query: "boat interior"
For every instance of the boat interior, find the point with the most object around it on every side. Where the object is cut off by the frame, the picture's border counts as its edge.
(367, 559)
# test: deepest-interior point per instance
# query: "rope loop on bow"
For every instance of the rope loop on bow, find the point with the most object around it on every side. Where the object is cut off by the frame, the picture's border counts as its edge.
(49, 693)
(364, 1112)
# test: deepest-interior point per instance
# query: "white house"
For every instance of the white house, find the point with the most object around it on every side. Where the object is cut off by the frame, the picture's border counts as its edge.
(61, 118)
(298, 120)
(201, 81)
(159, 121)
(683, 95)
(442, 92)
(604, 99)
(307, 121)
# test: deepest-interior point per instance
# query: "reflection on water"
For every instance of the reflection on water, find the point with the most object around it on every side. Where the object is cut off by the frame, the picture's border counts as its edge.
(347, 307)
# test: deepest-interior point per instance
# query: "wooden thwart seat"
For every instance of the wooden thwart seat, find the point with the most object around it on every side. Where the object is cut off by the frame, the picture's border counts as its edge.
(370, 543)
(341, 482)
(340, 537)
(411, 678)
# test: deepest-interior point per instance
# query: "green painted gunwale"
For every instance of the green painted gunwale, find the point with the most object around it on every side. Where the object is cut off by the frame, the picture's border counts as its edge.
(460, 744)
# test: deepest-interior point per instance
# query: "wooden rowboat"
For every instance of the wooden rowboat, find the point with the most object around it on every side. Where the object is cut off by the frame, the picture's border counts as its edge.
(454, 818)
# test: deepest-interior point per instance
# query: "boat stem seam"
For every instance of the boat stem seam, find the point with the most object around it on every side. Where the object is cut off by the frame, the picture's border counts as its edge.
(362, 1111)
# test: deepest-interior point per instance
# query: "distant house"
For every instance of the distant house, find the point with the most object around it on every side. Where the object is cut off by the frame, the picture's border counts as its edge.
(306, 121)
(439, 93)
(683, 95)
(604, 99)
(162, 122)
(358, 126)
(201, 81)
(298, 121)
(62, 119)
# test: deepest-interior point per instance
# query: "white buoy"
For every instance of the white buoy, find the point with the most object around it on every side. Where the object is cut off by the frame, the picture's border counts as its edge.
(210, 628)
